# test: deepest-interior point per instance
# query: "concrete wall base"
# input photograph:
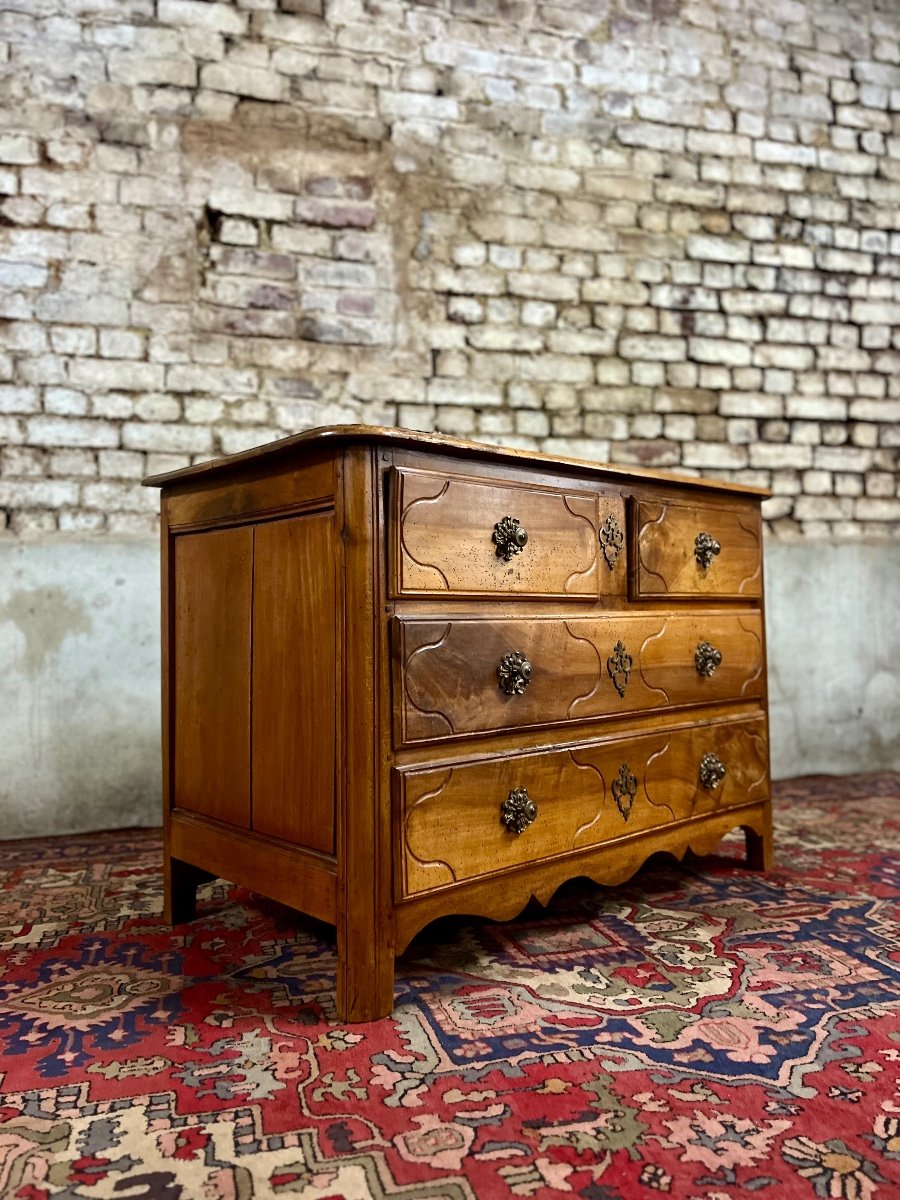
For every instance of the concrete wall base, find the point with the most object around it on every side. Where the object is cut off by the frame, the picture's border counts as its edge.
(79, 685)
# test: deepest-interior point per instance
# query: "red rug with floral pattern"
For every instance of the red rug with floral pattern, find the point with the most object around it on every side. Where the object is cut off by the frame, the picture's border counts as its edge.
(703, 1032)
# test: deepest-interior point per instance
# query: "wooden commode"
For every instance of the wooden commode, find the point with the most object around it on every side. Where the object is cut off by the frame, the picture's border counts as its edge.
(406, 676)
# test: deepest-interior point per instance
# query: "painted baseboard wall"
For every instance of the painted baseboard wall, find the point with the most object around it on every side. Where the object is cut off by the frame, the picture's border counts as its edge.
(79, 674)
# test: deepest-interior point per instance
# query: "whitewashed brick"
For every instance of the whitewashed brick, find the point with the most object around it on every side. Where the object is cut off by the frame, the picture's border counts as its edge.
(22, 275)
(19, 148)
(116, 375)
(257, 82)
(19, 399)
(719, 351)
(37, 494)
(77, 464)
(228, 380)
(543, 287)
(221, 18)
(122, 343)
(474, 395)
(60, 431)
(191, 439)
(65, 402)
(717, 249)
(452, 220)
(653, 347)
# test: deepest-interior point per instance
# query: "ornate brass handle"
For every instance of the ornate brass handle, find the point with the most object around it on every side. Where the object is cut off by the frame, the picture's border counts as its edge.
(518, 811)
(705, 549)
(712, 771)
(619, 665)
(515, 673)
(509, 537)
(707, 658)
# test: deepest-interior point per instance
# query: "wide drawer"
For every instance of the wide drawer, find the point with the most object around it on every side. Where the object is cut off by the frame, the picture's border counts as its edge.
(465, 536)
(461, 822)
(688, 550)
(474, 675)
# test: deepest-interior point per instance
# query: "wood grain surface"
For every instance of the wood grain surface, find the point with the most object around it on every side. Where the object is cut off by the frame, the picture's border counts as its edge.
(211, 673)
(448, 671)
(443, 539)
(294, 680)
(665, 563)
(335, 735)
(449, 822)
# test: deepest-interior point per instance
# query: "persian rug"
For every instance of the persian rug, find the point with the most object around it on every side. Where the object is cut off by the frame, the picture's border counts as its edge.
(703, 1032)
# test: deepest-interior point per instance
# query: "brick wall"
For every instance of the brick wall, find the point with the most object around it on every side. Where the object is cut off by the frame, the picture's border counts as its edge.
(653, 231)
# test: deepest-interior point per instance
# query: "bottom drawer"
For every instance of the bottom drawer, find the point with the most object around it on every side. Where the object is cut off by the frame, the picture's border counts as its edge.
(468, 820)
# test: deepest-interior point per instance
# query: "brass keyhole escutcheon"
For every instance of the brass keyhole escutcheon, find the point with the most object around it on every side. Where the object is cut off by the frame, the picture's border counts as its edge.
(624, 790)
(612, 539)
(618, 666)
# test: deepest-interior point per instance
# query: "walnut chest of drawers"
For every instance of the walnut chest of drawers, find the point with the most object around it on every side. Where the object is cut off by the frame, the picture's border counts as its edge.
(406, 676)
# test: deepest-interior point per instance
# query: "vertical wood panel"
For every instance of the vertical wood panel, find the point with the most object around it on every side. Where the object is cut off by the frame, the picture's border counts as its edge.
(211, 695)
(294, 680)
(365, 936)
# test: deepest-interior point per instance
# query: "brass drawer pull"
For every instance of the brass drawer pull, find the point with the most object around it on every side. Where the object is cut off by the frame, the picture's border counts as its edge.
(509, 537)
(515, 673)
(612, 539)
(707, 658)
(624, 790)
(518, 811)
(705, 549)
(619, 666)
(712, 771)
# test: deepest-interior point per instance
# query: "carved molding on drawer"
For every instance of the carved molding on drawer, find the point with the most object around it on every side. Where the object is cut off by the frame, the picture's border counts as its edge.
(587, 696)
(452, 826)
(423, 566)
(675, 771)
(429, 862)
(666, 561)
(750, 585)
(588, 573)
(454, 830)
(428, 714)
(753, 628)
(667, 658)
(446, 530)
(606, 864)
(448, 682)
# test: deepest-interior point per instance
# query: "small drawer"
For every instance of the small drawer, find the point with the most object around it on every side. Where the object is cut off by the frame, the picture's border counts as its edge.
(465, 821)
(481, 675)
(456, 535)
(683, 550)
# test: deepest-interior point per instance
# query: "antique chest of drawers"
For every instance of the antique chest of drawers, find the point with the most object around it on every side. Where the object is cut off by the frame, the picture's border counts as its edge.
(406, 676)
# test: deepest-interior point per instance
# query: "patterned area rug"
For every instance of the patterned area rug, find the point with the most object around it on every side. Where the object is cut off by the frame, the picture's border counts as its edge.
(703, 1032)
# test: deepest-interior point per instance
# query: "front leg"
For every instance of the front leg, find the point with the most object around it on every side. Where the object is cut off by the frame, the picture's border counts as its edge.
(180, 882)
(760, 846)
(365, 972)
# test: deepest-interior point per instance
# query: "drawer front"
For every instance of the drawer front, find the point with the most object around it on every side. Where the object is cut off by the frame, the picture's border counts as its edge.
(462, 536)
(461, 822)
(687, 550)
(465, 676)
